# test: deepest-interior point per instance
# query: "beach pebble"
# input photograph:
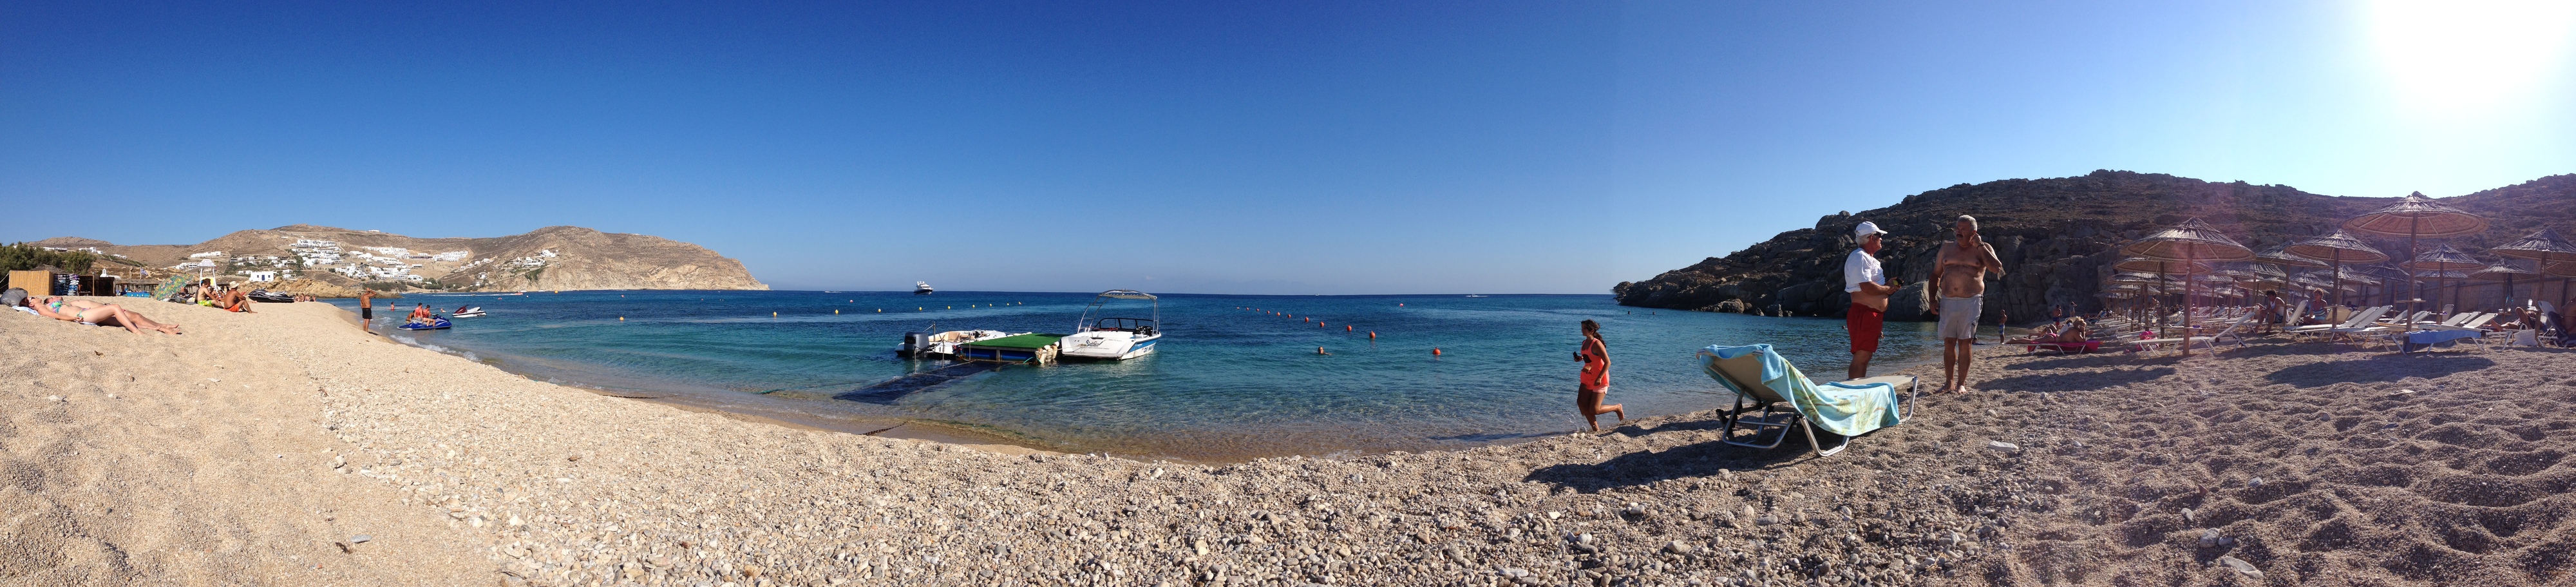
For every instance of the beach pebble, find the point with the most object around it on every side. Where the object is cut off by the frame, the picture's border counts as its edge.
(1634, 509)
(2241, 567)
(360, 539)
(2256, 482)
(1676, 547)
(53, 398)
(2209, 538)
(2190, 516)
(2002, 446)
(1514, 573)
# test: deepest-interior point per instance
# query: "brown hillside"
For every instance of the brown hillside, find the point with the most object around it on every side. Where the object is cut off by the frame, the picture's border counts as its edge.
(582, 258)
(2056, 236)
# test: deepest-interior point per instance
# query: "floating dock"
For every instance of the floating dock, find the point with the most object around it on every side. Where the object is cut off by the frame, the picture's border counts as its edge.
(1024, 348)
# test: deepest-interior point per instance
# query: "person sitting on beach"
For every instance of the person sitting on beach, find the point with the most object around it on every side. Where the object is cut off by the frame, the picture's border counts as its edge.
(84, 311)
(233, 299)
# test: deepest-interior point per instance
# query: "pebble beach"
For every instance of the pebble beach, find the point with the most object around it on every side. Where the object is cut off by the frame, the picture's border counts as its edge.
(289, 447)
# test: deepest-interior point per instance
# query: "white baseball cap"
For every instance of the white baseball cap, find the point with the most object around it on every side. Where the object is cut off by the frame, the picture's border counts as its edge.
(1865, 229)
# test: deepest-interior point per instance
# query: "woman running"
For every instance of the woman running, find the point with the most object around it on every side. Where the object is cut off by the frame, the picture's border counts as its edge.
(1596, 378)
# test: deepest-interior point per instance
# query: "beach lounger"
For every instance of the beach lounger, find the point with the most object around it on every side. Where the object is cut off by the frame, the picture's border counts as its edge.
(1763, 380)
(2210, 340)
(2356, 321)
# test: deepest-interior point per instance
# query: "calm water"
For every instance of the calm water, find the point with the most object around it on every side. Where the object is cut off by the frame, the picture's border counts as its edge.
(1227, 381)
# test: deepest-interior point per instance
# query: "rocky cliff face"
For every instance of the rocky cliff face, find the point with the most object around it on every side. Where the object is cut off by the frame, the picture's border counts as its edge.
(551, 258)
(2057, 238)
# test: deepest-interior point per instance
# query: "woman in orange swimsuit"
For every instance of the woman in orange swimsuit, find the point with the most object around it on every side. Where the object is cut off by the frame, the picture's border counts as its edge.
(1595, 383)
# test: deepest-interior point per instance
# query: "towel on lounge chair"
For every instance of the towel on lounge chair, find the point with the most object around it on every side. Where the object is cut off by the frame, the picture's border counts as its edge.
(2422, 339)
(1842, 408)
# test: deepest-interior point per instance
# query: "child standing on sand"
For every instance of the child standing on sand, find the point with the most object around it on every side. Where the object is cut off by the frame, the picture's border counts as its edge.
(1595, 383)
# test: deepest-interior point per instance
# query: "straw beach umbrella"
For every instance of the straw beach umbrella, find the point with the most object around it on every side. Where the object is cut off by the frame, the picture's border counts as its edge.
(2280, 255)
(2545, 247)
(2443, 263)
(2336, 249)
(2192, 241)
(2156, 271)
(2416, 216)
(2506, 273)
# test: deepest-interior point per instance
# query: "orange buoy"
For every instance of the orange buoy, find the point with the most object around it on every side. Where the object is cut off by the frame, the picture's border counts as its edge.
(1346, 328)
(1435, 351)
(1372, 335)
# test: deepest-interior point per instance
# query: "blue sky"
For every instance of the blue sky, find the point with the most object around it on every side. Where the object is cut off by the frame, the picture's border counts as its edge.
(1284, 148)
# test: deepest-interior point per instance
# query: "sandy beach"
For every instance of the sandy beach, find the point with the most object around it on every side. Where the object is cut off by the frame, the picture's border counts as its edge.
(256, 449)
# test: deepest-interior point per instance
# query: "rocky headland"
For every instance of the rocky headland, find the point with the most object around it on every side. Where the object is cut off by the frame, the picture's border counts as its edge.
(2057, 236)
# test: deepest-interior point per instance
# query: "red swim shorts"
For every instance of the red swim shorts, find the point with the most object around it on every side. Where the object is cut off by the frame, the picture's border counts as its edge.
(1865, 324)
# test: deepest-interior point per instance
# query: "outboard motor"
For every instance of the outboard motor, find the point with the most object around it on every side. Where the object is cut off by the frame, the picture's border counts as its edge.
(913, 343)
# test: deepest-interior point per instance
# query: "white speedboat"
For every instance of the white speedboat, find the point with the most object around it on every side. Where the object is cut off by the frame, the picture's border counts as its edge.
(945, 343)
(1111, 337)
(921, 288)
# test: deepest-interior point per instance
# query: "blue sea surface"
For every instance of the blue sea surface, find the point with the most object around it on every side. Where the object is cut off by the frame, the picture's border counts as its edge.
(1234, 376)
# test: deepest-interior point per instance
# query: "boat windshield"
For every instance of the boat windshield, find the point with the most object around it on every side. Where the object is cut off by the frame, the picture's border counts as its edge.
(1135, 325)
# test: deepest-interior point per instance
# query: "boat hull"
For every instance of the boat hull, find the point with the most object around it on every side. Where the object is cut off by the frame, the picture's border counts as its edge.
(1109, 346)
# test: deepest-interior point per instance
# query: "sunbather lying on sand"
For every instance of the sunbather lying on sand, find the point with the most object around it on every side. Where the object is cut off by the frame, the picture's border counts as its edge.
(2074, 332)
(85, 312)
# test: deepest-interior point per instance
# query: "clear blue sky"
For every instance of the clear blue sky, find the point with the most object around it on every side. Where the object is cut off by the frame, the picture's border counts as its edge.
(1229, 147)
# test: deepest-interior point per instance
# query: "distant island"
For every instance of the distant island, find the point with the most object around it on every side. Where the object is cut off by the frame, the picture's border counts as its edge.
(327, 258)
(2058, 237)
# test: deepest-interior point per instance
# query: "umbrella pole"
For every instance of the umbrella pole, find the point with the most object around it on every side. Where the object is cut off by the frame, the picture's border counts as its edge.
(2186, 304)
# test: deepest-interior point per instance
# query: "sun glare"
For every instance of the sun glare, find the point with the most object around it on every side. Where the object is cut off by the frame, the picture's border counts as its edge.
(2464, 54)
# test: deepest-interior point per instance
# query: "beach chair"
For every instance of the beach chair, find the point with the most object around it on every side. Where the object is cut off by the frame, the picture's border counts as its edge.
(1763, 380)
(2297, 314)
(2471, 329)
(2355, 321)
(2210, 340)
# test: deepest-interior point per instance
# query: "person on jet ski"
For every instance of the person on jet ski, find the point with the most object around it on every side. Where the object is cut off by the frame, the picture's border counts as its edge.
(420, 314)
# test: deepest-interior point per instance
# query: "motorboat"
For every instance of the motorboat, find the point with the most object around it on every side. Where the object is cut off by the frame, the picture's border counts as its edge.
(945, 343)
(434, 323)
(264, 297)
(921, 288)
(1114, 337)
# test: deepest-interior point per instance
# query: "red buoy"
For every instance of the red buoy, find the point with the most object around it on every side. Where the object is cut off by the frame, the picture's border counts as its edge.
(1435, 352)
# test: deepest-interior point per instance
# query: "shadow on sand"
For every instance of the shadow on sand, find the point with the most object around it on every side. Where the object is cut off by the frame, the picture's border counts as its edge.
(1686, 461)
(2380, 368)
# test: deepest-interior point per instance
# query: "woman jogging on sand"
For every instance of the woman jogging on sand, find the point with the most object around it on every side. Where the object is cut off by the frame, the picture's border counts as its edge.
(1596, 378)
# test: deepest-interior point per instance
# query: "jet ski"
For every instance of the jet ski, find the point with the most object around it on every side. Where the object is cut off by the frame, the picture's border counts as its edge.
(262, 296)
(468, 312)
(434, 323)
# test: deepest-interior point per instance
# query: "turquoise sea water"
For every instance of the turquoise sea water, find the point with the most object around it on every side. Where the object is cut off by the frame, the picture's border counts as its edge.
(1229, 381)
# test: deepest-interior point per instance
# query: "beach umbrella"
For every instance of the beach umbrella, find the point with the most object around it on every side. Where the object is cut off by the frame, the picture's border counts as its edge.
(2437, 278)
(2414, 217)
(2336, 249)
(2280, 256)
(2545, 247)
(2192, 241)
(2158, 269)
(2506, 273)
(2443, 262)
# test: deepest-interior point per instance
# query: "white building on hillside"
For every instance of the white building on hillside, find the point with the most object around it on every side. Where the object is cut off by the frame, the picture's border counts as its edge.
(261, 276)
(206, 255)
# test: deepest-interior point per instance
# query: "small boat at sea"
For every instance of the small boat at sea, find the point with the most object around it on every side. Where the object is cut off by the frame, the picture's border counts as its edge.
(921, 288)
(1114, 337)
(434, 323)
(468, 312)
(916, 344)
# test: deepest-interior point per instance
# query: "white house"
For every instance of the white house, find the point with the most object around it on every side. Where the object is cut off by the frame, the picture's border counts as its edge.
(207, 254)
(306, 243)
(258, 276)
(451, 256)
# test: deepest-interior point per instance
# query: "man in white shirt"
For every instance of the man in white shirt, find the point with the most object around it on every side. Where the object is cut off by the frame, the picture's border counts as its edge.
(1869, 287)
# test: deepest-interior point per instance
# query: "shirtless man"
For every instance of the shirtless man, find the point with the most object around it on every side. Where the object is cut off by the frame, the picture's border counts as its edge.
(1869, 287)
(1961, 270)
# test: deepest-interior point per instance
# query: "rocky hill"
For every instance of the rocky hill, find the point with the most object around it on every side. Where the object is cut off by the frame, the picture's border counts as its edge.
(551, 258)
(2057, 238)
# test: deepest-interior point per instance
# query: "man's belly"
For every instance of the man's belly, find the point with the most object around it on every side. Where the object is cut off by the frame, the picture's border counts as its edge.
(1953, 287)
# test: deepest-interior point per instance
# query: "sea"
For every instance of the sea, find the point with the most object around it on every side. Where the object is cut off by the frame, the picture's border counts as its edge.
(1235, 376)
